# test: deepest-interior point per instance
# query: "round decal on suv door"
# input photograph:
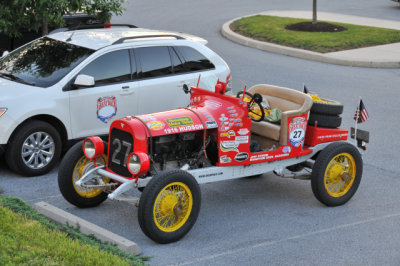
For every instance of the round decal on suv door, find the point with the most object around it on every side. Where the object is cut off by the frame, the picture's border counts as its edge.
(106, 108)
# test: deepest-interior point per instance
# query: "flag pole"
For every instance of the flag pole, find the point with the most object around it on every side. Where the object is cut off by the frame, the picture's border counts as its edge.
(357, 117)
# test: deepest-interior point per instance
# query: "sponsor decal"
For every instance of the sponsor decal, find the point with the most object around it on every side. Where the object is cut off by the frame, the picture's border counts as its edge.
(224, 128)
(122, 125)
(106, 108)
(232, 111)
(286, 149)
(230, 107)
(260, 157)
(155, 125)
(211, 124)
(297, 131)
(233, 115)
(223, 118)
(281, 155)
(242, 156)
(213, 104)
(179, 121)
(225, 159)
(228, 134)
(183, 129)
(333, 136)
(227, 146)
(238, 125)
(243, 131)
(242, 139)
(210, 175)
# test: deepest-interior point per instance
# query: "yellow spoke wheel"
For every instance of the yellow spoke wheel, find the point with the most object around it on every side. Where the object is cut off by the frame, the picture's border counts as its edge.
(83, 166)
(172, 207)
(340, 174)
(169, 206)
(336, 173)
(73, 167)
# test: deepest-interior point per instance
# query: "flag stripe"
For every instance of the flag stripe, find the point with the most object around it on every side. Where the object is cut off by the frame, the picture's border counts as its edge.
(361, 114)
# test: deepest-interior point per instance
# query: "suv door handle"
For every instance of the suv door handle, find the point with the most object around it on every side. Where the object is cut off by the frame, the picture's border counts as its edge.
(126, 90)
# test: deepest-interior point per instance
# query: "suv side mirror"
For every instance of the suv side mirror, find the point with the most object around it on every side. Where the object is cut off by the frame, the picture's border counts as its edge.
(84, 81)
(5, 53)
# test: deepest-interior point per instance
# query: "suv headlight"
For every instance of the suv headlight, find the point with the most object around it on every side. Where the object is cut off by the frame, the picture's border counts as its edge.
(138, 163)
(93, 147)
(2, 111)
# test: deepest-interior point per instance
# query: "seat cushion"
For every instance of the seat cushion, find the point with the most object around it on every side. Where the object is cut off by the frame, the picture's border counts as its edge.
(266, 129)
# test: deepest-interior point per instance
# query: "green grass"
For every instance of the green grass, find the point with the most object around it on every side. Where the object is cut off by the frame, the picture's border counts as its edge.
(29, 238)
(272, 29)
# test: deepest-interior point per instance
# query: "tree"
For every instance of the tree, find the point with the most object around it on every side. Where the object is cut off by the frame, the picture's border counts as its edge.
(32, 15)
(314, 17)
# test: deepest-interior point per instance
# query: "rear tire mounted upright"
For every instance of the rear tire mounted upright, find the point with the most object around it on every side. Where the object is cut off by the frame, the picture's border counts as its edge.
(336, 174)
(169, 206)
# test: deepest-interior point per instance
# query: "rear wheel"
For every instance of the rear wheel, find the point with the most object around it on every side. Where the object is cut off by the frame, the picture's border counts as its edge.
(73, 166)
(336, 174)
(169, 206)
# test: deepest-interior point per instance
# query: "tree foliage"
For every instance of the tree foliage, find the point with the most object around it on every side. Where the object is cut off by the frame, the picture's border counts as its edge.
(32, 15)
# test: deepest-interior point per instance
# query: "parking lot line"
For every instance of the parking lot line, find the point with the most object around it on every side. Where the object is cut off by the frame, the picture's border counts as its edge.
(278, 241)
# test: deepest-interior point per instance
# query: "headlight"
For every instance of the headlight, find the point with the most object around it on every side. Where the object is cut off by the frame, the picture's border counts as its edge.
(2, 111)
(138, 163)
(93, 147)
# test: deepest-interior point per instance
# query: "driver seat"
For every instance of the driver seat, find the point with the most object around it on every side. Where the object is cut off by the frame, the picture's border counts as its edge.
(289, 101)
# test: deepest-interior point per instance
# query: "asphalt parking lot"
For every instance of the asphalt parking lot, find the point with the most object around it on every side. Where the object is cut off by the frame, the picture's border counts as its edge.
(270, 220)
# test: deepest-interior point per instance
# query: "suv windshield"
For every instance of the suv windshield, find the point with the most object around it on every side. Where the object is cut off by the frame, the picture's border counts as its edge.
(43, 62)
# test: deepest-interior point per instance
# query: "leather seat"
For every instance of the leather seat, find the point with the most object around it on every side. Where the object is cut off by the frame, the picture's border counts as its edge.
(289, 101)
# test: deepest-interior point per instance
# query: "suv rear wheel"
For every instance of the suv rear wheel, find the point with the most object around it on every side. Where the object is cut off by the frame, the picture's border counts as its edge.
(34, 148)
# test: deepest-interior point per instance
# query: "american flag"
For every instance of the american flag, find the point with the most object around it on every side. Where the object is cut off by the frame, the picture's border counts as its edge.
(361, 114)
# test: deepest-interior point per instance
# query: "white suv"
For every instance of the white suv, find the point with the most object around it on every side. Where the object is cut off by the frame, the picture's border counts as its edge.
(73, 84)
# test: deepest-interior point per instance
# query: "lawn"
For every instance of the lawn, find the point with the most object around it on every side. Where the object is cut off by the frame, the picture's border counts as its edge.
(272, 29)
(28, 238)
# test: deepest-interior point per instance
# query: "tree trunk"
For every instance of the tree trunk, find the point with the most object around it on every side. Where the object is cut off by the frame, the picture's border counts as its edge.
(314, 17)
(45, 27)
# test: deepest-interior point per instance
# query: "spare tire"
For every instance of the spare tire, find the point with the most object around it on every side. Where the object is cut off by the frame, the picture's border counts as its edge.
(329, 121)
(329, 107)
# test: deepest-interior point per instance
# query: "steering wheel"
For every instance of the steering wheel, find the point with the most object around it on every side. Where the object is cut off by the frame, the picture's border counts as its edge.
(256, 110)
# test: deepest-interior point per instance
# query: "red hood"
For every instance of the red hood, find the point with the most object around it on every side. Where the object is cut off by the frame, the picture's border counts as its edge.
(174, 121)
(207, 110)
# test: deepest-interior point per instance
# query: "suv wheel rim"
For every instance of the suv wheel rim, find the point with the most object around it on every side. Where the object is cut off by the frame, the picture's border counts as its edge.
(38, 150)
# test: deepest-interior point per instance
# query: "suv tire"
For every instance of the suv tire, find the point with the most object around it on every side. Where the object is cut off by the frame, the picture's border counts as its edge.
(34, 148)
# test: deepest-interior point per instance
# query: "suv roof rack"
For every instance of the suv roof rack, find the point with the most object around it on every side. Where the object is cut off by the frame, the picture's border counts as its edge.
(99, 26)
(148, 36)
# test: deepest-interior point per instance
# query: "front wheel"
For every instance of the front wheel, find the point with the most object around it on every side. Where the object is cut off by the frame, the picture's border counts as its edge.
(169, 206)
(336, 174)
(34, 148)
(73, 166)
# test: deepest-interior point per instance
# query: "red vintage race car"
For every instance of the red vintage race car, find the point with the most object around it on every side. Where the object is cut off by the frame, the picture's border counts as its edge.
(218, 137)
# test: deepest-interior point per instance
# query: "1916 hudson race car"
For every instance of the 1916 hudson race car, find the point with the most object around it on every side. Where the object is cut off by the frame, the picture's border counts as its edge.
(218, 137)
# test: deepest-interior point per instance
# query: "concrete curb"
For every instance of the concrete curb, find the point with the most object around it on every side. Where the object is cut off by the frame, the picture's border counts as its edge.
(57, 215)
(289, 51)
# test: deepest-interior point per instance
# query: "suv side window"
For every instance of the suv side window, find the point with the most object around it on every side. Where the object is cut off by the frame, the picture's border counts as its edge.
(194, 60)
(155, 61)
(177, 64)
(113, 67)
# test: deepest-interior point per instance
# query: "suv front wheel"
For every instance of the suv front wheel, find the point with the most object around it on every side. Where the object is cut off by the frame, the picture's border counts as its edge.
(34, 148)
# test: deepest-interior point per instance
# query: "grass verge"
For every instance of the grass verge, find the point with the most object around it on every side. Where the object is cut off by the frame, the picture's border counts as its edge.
(272, 29)
(29, 238)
